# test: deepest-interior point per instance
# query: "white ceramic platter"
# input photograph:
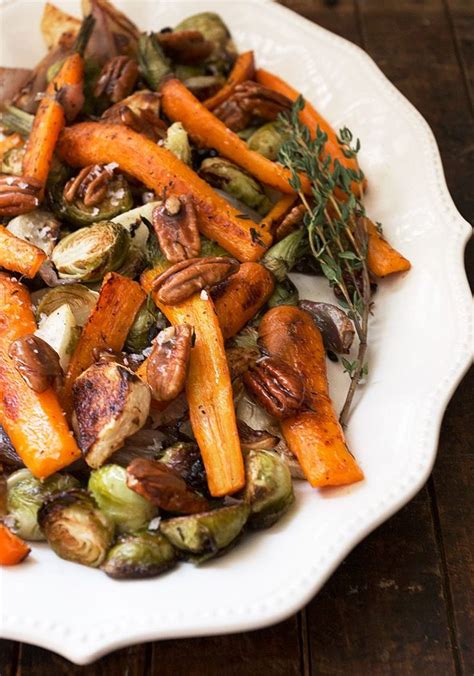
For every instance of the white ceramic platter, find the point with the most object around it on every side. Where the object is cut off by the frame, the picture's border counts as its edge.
(421, 345)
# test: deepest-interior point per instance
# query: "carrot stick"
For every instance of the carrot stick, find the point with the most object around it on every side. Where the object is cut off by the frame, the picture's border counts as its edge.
(34, 421)
(119, 300)
(310, 117)
(209, 392)
(314, 436)
(160, 170)
(13, 549)
(278, 211)
(244, 69)
(383, 259)
(18, 255)
(207, 130)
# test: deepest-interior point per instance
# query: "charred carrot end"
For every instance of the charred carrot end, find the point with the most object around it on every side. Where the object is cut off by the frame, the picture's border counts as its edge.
(382, 258)
(244, 69)
(18, 255)
(35, 422)
(13, 549)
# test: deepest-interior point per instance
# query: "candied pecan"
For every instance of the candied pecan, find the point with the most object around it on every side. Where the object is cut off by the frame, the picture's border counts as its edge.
(250, 100)
(140, 112)
(90, 185)
(117, 79)
(276, 386)
(184, 279)
(18, 194)
(290, 222)
(163, 487)
(255, 440)
(168, 363)
(36, 362)
(175, 225)
(187, 47)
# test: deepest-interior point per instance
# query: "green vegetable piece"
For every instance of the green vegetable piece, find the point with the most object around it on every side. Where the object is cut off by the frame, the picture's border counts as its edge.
(61, 332)
(153, 63)
(118, 200)
(284, 293)
(148, 321)
(177, 142)
(267, 140)
(214, 30)
(269, 489)
(86, 255)
(25, 496)
(283, 256)
(185, 459)
(227, 176)
(139, 555)
(125, 508)
(204, 535)
(75, 528)
(78, 297)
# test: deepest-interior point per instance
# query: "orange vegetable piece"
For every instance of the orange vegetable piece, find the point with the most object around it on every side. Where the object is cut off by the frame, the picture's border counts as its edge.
(244, 69)
(13, 549)
(277, 212)
(18, 255)
(382, 258)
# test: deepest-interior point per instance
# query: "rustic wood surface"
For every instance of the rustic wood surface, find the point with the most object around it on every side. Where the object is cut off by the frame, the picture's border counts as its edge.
(403, 602)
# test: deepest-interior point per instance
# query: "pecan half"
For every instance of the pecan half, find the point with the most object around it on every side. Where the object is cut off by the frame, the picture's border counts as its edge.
(168, 363)
(255, 440)
(250, 100)
(140, 112)
(184, 279)
(276, 386)
(90, 185)
(163, 487)
(36, 362)
(187, 47)
(18, 194)
(117, 79)
(175, 224)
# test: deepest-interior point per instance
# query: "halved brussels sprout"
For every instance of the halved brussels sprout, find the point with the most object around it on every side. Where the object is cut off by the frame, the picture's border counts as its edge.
(154, 65)
(285, 293)
(77, 297)
(128, 510)
(12, 161)
(25, 496)
(118, 200)
(184, 72)
(203, 535)
(205, 86)
(75, 528)
(186, 460)
(267, 140)
(89, 253)
(282, 256)
(227, 176)
(214, 30)
(39, 227)
(139, 555)
(269, 489)
(61, 332)
(147, 324)
(177, 142)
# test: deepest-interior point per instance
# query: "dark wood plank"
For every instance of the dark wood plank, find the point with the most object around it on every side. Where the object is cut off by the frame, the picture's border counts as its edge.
(8, 657)
(383, 612)
(462, 18)
(338, 17)
(38, 662)
(269, 652)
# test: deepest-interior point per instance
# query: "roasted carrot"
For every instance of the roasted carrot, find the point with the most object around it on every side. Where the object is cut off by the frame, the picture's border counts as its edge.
(278, 211)
(315, 435)
(239, 297)
(383, 259)
(244, 69)
(34, 421)
(13, 549)
(310, 117)
(209, 392)
(207, 130)
(18, 255)
(119, 300)
(161, 171)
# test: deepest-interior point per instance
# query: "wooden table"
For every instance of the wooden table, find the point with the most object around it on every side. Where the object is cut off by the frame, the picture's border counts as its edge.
(403, 602)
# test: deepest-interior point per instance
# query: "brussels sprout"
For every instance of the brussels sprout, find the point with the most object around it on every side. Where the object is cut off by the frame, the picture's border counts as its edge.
(177, 142)
(204, 535)
(205, 86)
(25, 496)
(39, 227)
(214, 30)
(61, 332)
(139, 555)
(246, 133)
(154, 65)
(148, 322)
(89, 253)
(267, 140)
(285, 293)
(184, 72)
(282, 256)
(134, 263)
(15, 119)
(118, 200)
(79, 298)
(128, 510)
(186, 460)
(12, 161)
(222, 173)
(75, 528)
(269, 489)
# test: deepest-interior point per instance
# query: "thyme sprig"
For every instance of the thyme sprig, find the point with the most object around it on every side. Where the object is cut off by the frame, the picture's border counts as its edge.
(335, 225)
